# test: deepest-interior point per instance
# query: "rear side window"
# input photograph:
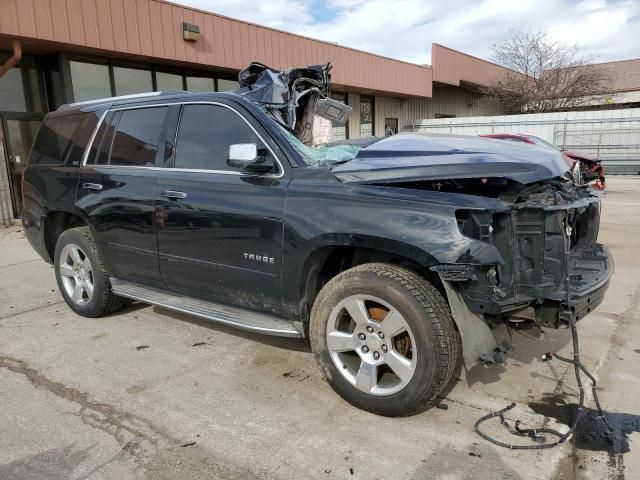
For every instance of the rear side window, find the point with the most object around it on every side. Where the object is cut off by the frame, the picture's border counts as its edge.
(54, 139)
(137, 137)
(81, 139)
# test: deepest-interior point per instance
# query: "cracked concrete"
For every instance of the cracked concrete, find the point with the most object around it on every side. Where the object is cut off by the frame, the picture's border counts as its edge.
(79, 400)
(133, 433)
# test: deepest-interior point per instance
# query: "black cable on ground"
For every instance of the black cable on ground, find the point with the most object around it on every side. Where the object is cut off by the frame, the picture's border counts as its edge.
(535, 433)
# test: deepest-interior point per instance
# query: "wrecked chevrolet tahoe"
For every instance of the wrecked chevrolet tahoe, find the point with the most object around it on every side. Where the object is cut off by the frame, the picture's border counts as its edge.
(397, 257)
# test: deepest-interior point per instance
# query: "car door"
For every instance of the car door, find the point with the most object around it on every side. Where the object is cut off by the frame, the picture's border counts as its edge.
(116, 190)
(219, 229)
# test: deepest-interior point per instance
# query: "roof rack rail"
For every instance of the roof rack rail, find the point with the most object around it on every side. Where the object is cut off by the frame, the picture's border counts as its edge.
(123, 97)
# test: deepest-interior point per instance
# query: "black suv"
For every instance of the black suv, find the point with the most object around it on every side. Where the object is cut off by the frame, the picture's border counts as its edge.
(396, 257)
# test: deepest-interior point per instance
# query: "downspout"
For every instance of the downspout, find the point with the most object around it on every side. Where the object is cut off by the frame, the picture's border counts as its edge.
(13, 60)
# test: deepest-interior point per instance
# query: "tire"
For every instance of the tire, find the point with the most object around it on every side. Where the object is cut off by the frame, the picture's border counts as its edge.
(77, 264)
(387, 293)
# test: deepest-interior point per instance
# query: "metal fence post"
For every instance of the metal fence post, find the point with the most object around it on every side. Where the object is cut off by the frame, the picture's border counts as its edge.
(564, 135)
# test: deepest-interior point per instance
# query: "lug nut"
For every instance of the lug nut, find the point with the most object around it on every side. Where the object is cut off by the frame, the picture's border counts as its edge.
(384, 348)
(370, 329)
(362, 336)
(376, 355)
(365, 349)
(381, 335)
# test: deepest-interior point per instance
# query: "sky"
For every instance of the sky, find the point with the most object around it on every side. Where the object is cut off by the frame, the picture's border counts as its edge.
(604, 30)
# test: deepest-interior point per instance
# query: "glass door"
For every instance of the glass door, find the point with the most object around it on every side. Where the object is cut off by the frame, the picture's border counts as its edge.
(19, 131)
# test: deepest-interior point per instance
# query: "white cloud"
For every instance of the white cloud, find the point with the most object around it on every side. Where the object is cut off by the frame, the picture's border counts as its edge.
(274, 13)
(405, 29)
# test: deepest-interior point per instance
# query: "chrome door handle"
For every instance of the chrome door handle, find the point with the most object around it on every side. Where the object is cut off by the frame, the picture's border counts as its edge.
(174, 195)
(92, 186)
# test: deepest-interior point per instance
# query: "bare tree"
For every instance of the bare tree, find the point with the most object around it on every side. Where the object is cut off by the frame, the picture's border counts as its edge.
(545, 75)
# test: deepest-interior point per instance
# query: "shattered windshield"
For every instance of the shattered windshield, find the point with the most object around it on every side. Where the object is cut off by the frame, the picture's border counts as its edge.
(297, 101)
(321, 155)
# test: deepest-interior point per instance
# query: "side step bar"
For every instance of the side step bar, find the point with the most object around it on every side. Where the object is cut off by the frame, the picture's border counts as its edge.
(233, 316)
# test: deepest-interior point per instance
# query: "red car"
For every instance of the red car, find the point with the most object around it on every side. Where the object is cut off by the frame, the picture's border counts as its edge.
(591, 166)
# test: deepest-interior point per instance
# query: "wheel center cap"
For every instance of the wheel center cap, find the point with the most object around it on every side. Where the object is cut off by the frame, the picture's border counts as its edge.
(373, 342)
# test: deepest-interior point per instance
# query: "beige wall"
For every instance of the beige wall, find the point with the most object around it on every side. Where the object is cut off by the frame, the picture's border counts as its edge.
(448, 101)
(354, 119)
(387, 107)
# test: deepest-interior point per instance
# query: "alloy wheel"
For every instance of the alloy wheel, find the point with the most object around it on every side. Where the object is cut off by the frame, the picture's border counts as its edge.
(76, 273)
(371, 345)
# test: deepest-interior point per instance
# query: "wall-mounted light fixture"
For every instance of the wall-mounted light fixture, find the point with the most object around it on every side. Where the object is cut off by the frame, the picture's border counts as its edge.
(190, 32)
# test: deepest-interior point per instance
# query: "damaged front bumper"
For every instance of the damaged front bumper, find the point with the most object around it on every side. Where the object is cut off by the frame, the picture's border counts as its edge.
(552, 269)
(545, 250)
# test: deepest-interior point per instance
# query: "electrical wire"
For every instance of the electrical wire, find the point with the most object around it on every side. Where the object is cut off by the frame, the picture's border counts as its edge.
(536, 433)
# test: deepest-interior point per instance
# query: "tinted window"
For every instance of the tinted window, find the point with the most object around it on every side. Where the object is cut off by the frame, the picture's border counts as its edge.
(137, 137)
(90, 81)
(81, 138)
(20, 90)
(200, 84)
(54, 139)
(102, 143)
(131, 80)
(168, 81)
(226, 85)
(204, 136)
(367, 116)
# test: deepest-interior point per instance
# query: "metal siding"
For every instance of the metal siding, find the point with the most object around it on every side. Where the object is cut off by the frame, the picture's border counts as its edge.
(144, 27)
(59, 20)
(354, 119)
(26, 18)
(44, 26)
(387, 107)
(452, 67)
(105, 28)
(155, 23)
(90, 22)
(9, 17)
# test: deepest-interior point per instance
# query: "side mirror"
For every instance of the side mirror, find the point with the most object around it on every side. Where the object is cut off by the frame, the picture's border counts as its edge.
(249, 158)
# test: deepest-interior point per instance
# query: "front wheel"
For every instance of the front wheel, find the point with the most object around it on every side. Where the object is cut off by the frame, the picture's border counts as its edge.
(384, 338)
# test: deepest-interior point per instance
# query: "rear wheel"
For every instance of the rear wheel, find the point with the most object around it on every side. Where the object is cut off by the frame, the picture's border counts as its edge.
(385, 339)
(82, 278)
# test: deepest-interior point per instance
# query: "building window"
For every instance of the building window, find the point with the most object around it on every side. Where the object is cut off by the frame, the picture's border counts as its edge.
(227, 85)
(367, 117)
(200, 84)
(89, 81)
(390, 126)
(131, 80)
(20, 90)
(168, 81)
(444, 115)
(340, 133)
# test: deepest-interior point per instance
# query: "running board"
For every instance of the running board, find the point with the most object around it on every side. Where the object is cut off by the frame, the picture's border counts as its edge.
(225, 314)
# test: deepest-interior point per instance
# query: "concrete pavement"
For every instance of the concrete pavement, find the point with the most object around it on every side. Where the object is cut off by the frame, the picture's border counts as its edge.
(149, 394)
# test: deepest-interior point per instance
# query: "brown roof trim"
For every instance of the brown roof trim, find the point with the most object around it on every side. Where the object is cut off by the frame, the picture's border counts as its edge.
(472, 56)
